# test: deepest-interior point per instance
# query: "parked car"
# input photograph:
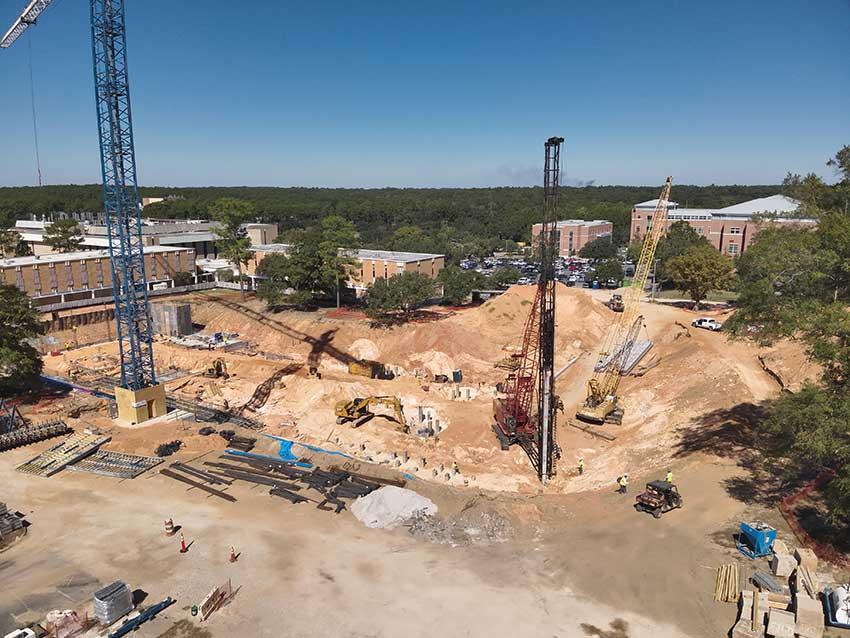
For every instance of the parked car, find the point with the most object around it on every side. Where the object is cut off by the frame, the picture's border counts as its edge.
(706, 323)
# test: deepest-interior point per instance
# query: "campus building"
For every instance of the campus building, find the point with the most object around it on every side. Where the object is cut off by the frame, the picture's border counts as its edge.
(732, 229)
(197, 234)
(59, 278)
(372, 264)
(571, 235)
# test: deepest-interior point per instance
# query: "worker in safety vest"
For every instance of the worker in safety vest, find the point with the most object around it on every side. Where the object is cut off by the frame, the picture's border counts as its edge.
(581, 465)
(669, 477)
(455, 468)
(623, 482)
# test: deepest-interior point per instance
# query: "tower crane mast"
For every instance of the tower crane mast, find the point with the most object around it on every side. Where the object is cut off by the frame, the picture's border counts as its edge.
(602, 403)
(120, 197)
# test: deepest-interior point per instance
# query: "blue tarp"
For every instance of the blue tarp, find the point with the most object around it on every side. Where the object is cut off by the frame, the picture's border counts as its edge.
(286, 448)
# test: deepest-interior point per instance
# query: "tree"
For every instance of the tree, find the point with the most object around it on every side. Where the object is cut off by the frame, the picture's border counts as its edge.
(20, 362)
(841, 164)
(234, 243)
(12, 244)
(458, 284)
(700, 270)
(410, 239)
(795, 283)
(402, 293)
(599, 248)
(64, 235)
(339, 240)
(633, 251)
(677, 241)
(610, 269)
(183, 278)
(505, 277)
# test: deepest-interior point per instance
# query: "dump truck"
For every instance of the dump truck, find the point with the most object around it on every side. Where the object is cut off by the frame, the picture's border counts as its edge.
(358, 411)
(371, 369)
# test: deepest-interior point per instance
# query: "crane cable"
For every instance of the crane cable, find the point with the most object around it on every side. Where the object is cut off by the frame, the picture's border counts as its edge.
(32, 105)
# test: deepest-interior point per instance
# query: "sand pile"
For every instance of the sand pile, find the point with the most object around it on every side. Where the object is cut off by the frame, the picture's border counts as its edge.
(390, 506)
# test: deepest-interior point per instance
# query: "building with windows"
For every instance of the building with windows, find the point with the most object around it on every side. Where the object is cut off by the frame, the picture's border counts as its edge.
(732, 229)
(372, 264)
(197, 234)
(571, 235)
(59, 278)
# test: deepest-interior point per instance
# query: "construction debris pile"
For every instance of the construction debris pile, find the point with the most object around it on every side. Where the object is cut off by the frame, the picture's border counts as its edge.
(391, 506)
(783, 604)
(471, 527)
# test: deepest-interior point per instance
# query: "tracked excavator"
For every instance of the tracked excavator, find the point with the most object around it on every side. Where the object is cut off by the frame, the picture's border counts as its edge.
(358, 411)
(602, 403)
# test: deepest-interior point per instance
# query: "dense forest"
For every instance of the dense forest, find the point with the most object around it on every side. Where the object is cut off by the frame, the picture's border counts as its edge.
(392, 217)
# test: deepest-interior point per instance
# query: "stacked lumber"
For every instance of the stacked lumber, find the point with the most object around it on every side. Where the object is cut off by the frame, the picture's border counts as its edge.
(727, 586)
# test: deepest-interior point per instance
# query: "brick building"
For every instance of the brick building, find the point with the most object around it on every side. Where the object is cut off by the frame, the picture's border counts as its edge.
(571, 235)
(64, 277)
(372, 264)
(732, 229)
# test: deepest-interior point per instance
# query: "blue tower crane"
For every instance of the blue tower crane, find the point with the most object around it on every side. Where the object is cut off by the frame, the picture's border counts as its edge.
(120, 201)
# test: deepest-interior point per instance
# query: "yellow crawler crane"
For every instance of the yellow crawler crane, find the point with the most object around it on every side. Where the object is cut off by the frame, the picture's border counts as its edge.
(601, 404)
(359, 410)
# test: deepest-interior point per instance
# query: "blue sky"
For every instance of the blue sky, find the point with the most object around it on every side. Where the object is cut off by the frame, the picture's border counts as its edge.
(405, 93)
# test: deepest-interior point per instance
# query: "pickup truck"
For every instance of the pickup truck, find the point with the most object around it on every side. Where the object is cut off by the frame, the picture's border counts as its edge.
(707, 323)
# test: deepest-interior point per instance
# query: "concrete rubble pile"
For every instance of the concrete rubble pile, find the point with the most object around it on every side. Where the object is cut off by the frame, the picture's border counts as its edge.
(390, 506)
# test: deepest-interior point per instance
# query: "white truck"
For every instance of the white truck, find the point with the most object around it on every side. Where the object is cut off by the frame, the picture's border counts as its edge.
(707, 323)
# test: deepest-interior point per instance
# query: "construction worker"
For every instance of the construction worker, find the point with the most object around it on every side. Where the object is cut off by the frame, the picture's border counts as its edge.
(455, 468)
(669, 477)
(623, 482)
(581, 465)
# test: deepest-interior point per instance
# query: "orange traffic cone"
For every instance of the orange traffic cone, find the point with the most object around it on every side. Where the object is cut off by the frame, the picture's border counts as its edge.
(233, 556)
(183, 547)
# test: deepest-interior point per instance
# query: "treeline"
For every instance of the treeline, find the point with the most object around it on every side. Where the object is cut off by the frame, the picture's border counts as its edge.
(482, 218)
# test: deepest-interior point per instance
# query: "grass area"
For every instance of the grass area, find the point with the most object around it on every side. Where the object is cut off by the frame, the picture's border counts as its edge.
(719, 295)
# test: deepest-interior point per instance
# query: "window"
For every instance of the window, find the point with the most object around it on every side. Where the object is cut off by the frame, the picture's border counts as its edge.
(732, 249)
(735, 230)
(699, 230)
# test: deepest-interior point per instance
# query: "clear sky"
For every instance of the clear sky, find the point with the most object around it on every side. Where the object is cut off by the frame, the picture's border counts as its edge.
(404, 93)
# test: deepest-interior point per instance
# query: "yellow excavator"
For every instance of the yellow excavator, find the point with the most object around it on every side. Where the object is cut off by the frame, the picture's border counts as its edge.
(601, 404)
(359, 410)
(217, 370)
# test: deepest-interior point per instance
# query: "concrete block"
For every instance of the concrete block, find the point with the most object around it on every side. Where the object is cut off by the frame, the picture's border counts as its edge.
(742, 629)
(780, 547)
(806, 558)
(782, 565)
(808, 631)
(809, 612)
(780, 624)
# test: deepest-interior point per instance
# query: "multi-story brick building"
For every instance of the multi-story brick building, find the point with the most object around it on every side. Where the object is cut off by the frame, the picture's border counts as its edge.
(64, 277)
(732, 229)
(372, 264)
(571, 235)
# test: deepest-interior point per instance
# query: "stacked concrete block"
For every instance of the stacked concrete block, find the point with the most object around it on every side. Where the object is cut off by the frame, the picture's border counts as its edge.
(780, 547)
(780, 624)
(783, 564)
(809, 617)
(744, 626)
